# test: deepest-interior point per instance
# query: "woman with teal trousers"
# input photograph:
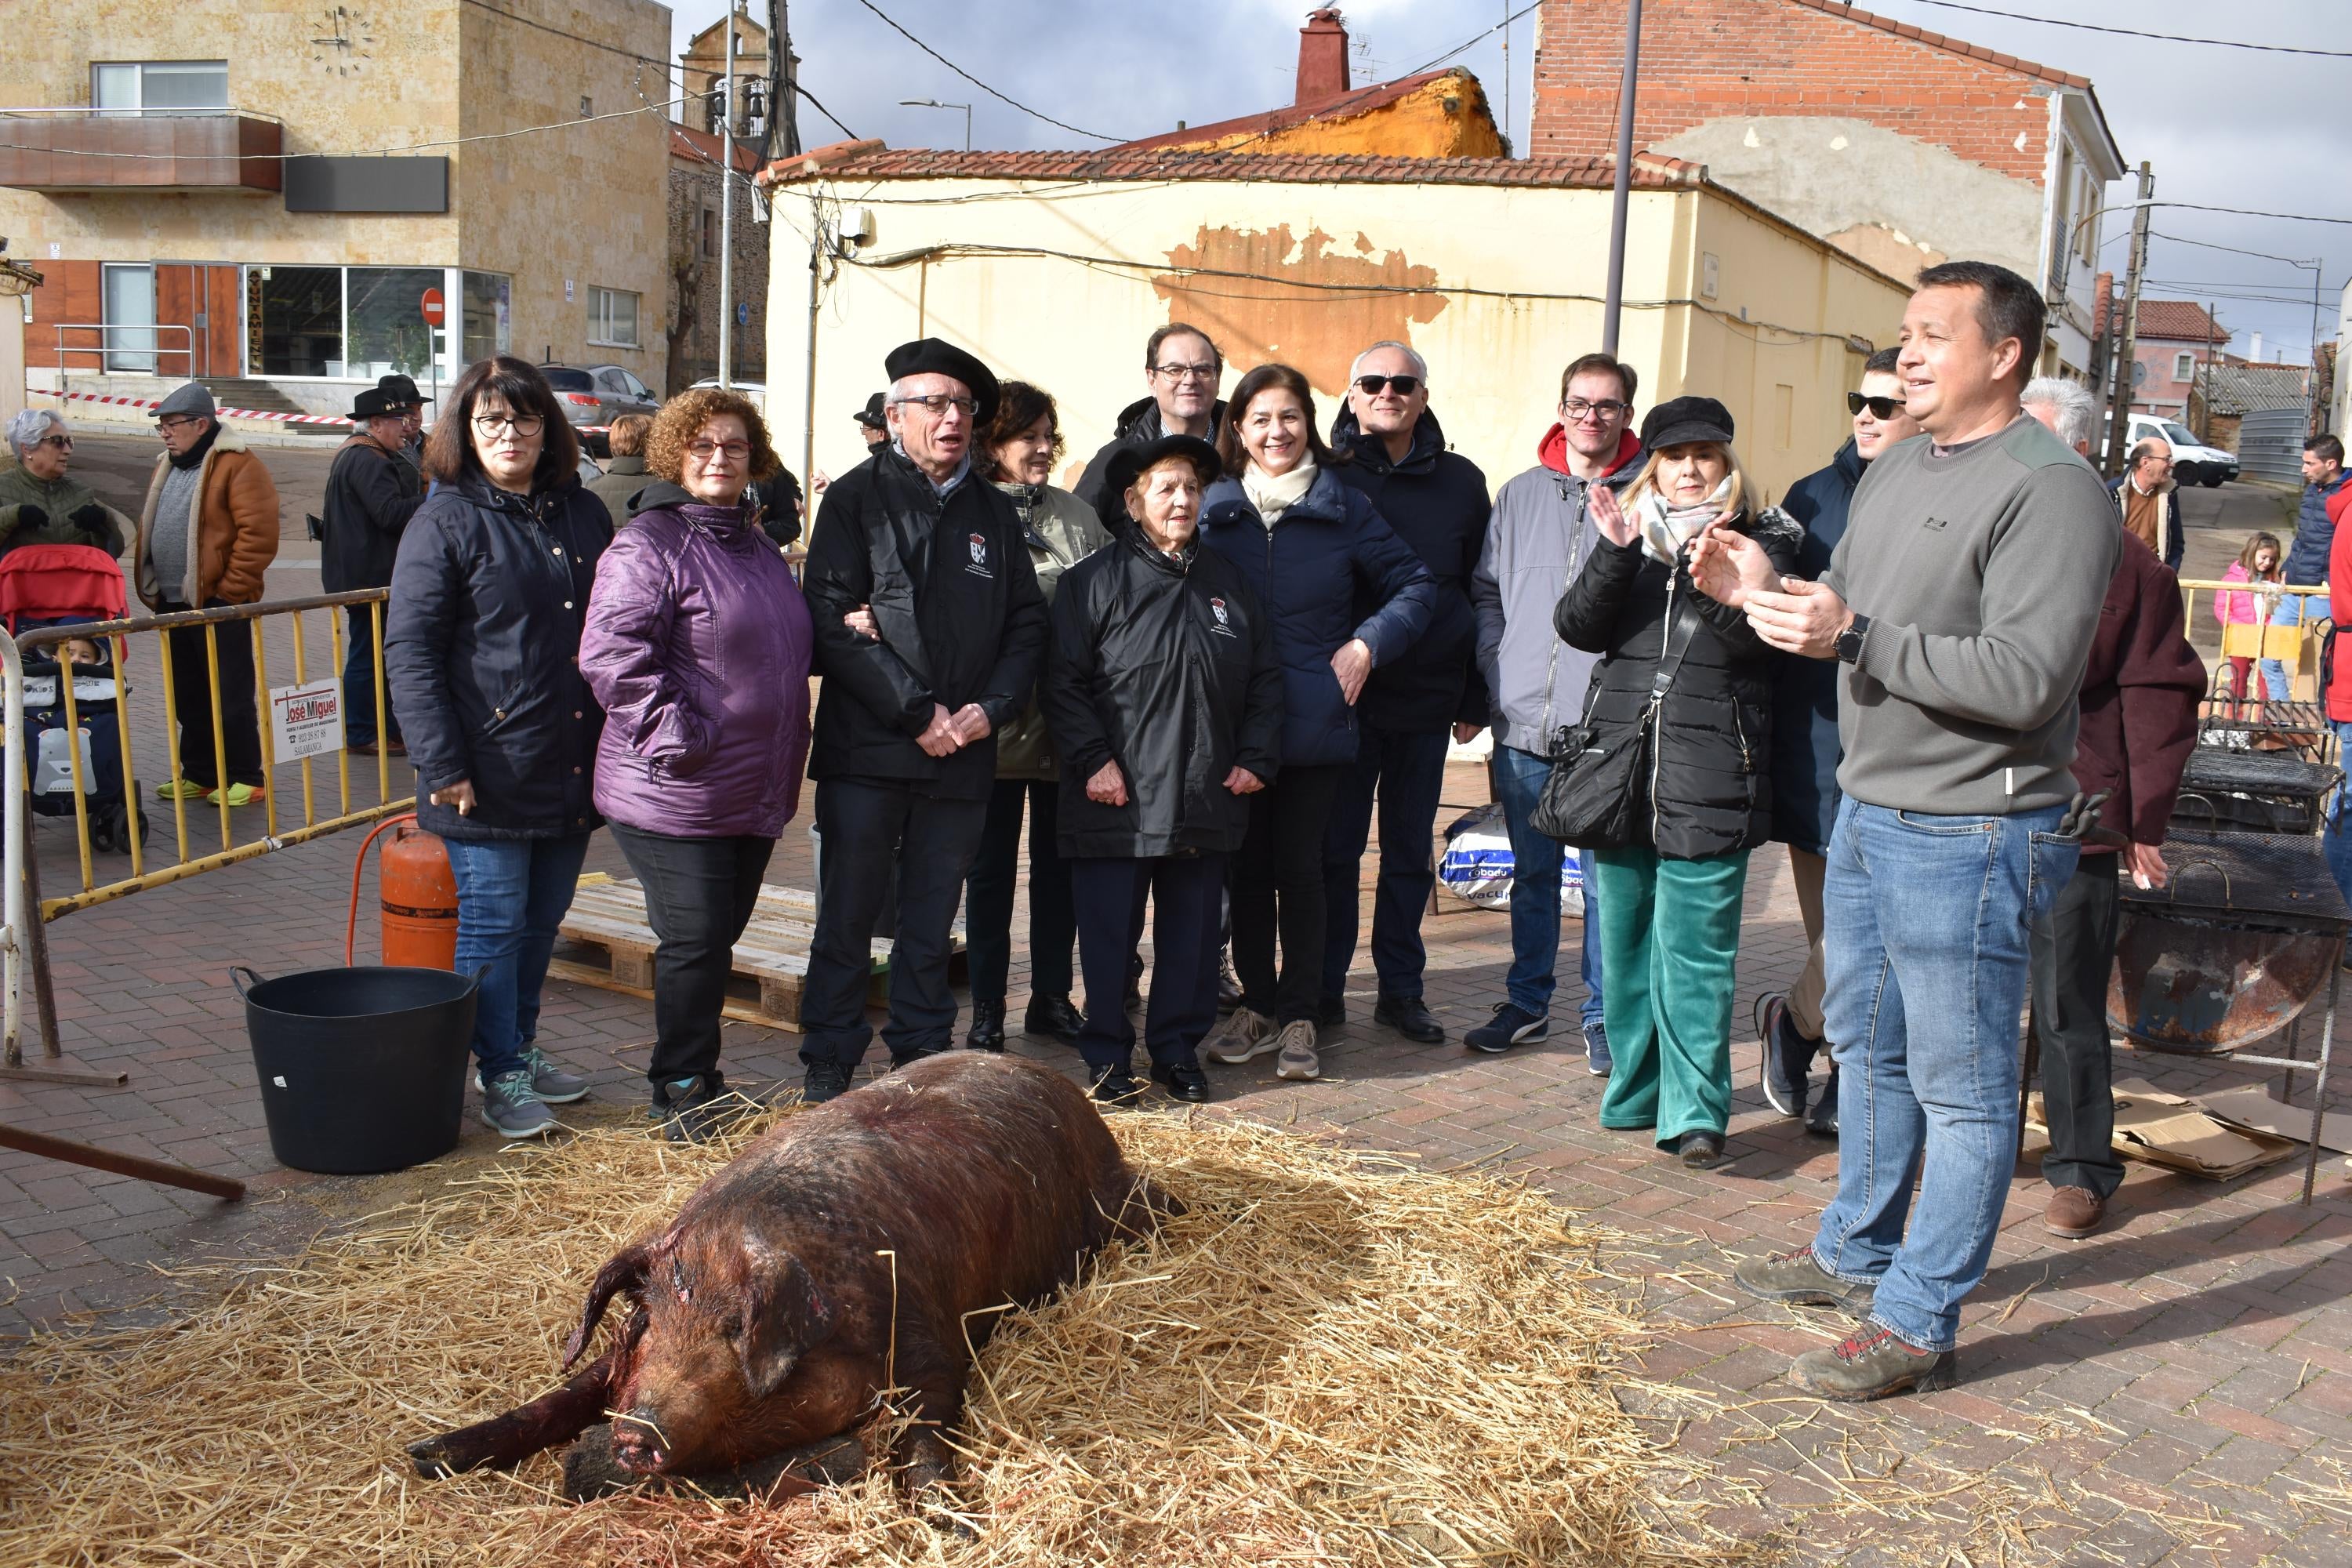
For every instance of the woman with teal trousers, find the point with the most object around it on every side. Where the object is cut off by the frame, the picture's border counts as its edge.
(1670, 899)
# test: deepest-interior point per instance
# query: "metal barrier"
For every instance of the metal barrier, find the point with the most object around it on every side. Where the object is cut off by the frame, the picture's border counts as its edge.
(23, 947)
(107, 346)
(2272, 642)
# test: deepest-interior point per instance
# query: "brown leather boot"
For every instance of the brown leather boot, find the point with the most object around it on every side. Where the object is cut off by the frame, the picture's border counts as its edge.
(2074, 1212)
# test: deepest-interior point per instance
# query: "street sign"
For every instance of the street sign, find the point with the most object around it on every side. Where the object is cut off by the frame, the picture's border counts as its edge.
(744, 313)
(432, 304)
(306, 721)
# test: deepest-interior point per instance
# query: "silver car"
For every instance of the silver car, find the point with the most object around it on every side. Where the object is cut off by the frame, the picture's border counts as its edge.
(597, 394)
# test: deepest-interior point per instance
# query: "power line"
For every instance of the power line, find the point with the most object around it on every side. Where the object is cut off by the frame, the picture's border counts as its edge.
(1457, 48)
(2139, 33)
(821, 109)
(967, 76)
(664, 66)
(2208, 245)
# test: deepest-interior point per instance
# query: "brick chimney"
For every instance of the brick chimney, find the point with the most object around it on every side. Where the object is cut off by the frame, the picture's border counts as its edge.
(1322, 56)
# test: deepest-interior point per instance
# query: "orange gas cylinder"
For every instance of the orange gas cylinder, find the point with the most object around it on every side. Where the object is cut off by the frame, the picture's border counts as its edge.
(420, 900)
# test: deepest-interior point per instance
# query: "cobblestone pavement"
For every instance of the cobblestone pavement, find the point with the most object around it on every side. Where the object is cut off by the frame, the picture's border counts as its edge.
(2177, 1390)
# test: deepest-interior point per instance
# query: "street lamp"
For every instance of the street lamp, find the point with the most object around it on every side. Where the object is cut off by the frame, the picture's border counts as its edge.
(935, 103)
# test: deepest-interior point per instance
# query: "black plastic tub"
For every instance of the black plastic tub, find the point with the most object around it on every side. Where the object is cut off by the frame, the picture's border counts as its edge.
(362, 1070)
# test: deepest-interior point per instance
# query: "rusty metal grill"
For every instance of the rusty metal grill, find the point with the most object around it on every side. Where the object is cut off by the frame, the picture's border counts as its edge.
(2260, 792)
(2277, 881)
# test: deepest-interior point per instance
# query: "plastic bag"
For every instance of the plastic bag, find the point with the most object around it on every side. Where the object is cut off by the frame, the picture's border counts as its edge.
(1477, 865)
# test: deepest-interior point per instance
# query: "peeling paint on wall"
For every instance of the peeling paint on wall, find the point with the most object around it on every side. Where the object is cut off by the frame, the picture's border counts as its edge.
(1298, 302)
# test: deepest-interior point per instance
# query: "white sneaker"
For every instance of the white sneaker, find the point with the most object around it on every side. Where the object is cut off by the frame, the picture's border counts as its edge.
(1297, 1060)
(1237, 1039)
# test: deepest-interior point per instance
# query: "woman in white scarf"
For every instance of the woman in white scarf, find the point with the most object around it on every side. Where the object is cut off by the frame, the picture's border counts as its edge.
(1669, 901)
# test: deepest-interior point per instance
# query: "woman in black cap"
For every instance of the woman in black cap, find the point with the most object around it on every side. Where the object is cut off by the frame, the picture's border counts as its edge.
(1669, 899)
(1164, 693)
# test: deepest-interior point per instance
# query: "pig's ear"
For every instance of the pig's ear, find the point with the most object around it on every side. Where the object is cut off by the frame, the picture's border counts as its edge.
(626, 1271)
(785, 1315)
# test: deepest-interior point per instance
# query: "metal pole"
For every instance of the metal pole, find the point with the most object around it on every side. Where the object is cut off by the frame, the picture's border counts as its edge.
(2312, 421)
(727, 217)
(1621, 200)
(2128, 344)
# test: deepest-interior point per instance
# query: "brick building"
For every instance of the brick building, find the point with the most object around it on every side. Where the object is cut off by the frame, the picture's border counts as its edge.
(1901, 146)
(694, 240)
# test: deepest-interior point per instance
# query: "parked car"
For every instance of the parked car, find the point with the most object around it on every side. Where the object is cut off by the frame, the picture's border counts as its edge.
(597, 394)
(756, 391)
(2193, 462)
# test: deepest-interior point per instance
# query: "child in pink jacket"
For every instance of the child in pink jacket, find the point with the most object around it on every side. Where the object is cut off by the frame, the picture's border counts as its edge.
(2258, 562)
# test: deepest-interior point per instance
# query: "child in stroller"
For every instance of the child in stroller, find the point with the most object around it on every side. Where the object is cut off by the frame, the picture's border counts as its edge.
(48, 585)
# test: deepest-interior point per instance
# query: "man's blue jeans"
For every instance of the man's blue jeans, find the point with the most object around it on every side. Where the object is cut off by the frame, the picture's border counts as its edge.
(511, 895)
(1535, 894)
(1925, 932)
(1406, 771)
(2338, 836)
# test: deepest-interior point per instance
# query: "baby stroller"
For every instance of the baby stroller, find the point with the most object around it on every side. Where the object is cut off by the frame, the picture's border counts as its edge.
(47, 585)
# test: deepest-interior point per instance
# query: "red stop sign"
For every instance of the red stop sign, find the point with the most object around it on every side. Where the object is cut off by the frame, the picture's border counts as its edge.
(432, 305)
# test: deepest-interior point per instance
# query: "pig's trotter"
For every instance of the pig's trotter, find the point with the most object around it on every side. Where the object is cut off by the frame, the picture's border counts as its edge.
(556, 1416)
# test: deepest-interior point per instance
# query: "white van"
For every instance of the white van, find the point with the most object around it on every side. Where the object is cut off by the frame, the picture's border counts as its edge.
(2193, 462)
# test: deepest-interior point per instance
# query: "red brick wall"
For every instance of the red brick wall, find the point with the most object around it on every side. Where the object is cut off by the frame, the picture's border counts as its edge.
(1712, 59)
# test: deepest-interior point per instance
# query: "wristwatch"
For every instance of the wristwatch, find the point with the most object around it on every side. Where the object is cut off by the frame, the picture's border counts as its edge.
(1849, 641)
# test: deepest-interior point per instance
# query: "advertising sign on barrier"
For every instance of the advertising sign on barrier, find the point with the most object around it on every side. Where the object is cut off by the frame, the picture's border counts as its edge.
(306, 721)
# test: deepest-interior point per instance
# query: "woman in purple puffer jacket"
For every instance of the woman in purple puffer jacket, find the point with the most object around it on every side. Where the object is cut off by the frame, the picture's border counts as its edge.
(697, 646)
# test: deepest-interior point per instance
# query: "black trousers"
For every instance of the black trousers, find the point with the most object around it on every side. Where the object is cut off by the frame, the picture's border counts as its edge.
(2073, 953)
(1277, 888)
(1108, 895)
(864, 823)
(700, 894)
(988, 897)
(192, 702)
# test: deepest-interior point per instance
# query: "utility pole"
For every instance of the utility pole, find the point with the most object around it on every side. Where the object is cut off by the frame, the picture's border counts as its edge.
(1507, 75)
(1621, 198)
(784, 92)
(2127, 341)
(727, 214)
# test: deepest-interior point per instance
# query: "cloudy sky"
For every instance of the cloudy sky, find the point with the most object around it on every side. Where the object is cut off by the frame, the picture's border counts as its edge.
(2223, 127)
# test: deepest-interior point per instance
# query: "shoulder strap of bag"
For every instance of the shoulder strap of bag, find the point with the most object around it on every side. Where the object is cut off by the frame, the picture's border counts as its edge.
(1680, 630)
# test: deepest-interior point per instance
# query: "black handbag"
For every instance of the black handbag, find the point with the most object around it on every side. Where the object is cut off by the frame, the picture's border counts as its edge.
(1598, 791)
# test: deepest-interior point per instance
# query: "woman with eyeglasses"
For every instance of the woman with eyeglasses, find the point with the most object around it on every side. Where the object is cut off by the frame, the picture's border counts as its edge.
(697, 646)
(40, 502)
(489, 592)
(1344, 593)
(1691, 674)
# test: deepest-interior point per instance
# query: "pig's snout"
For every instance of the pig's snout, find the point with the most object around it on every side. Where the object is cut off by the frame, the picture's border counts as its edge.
(637, 1442)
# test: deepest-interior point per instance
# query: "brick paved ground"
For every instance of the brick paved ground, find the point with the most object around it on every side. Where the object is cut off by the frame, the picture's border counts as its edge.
(2176, 1391)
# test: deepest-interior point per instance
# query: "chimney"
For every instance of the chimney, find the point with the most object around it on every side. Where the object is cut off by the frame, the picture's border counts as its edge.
(2103, 294)
(2254, 352)
(1322, 56)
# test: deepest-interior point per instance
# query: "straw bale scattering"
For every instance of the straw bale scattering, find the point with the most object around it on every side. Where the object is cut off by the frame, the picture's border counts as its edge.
(1334, 1357)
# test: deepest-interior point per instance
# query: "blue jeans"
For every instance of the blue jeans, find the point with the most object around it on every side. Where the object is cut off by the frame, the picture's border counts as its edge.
(511, 895)
(1406, 769)
(1535, 894)
(2337, 835)
(1925, 923)
(359, 682)
(2290, 611)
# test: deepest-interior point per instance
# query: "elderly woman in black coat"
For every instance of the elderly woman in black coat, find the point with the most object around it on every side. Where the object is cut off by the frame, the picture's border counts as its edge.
(1670, 899)
(489, 594)
(1164, 695)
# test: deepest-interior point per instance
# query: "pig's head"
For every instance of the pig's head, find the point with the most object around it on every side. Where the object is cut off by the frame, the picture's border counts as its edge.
(727, 1314)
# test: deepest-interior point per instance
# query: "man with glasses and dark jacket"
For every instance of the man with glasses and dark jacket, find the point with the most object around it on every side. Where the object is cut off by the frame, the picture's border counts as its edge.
(916, 544)
(1536, 544)
(1436, 501)
(1182, 368)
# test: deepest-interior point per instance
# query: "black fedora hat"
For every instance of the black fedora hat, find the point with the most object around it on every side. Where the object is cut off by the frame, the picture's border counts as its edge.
(871, 414)
(372, 403)
(401, 388)
(1128, 461)
(930, 356)
(1681, 420)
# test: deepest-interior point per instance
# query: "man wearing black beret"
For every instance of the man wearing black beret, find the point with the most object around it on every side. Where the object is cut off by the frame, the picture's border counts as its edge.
(929, 632)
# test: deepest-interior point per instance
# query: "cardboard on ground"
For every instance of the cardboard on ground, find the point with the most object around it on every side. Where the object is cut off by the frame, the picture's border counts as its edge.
(2181, 1134)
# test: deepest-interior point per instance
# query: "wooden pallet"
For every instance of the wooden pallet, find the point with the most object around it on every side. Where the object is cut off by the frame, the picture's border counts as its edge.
(770, 963)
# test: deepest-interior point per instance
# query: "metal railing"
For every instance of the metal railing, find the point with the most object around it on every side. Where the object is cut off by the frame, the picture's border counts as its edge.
(153, 352)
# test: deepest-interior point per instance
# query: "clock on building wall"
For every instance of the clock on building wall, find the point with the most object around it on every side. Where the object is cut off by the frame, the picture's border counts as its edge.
(344, 43)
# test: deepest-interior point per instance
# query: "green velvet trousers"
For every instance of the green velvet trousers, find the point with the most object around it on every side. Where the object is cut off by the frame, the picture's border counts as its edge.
(1669, 947)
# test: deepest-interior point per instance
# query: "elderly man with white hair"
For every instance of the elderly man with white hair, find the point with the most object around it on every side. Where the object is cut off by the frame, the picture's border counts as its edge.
(40, 502)
(2064, 405)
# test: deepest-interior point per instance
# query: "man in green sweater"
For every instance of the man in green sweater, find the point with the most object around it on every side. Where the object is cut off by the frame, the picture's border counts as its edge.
(1962, 602)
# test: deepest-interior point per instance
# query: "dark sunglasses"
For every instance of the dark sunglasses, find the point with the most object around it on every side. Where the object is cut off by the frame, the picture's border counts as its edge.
(1880, 407)
(1373, 386)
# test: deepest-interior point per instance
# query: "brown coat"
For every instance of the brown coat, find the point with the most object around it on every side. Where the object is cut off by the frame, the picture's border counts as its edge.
(236, 528)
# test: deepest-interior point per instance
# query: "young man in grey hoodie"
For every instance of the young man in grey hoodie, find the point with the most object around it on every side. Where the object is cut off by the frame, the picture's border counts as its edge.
(1536, 541)
(1962, 603)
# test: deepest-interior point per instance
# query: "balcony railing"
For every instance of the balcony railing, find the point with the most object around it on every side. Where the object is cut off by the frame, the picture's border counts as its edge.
(103, 150)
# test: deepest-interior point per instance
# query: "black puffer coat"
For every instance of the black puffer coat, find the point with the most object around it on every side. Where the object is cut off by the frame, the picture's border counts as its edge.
(482, 649)
(961, 615)
(1711, 758)
(1169, 670)
(1138, 426)
(1436, 500)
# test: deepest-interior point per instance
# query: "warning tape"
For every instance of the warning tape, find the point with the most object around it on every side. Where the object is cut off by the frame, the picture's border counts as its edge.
(263, 413)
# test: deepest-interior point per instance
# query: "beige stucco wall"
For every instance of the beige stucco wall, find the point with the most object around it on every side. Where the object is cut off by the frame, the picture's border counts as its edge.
(585, 202)
(1074, 323)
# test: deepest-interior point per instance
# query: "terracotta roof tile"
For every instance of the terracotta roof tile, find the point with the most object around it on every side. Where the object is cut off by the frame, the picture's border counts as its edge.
(1359, 100)
(701, 147)
(2178, 321)
(872, 161)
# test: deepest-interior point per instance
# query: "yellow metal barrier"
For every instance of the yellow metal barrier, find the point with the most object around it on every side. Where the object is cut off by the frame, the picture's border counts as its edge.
(252, 621)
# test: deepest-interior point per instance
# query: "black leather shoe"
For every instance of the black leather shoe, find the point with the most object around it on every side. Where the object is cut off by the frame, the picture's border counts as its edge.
(1113, 1086)
(1700, 1150)
(1189, 1085)
(1330, 1012)
(1229, 990)
(1409, 1016)
(822, 1081)
(1053, 1017)
(1823, 1121)
(987, 1031)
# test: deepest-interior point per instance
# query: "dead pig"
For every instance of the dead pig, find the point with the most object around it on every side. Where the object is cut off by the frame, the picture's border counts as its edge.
(855, 1247)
